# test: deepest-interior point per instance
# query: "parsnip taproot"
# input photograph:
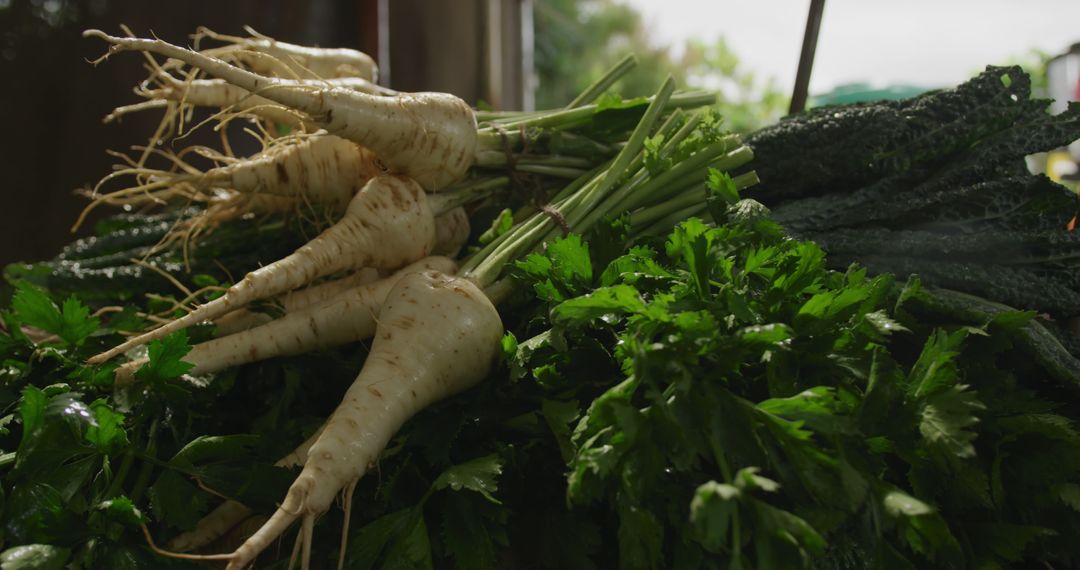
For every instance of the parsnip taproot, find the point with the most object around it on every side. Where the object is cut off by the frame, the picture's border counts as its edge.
(437, 335)
(220, 94)
(346, 317)
(263, 54)
(431, 137)
(451, 232)
(319, 168)
(386, 225)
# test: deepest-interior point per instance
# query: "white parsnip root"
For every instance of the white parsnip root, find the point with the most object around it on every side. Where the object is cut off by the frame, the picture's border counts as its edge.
(243, 319)
(386, 225)
(229, 98)
(268, 56)
(220, 93)
(451, 232)
(318, 168)
(344, 318)
(437, 335)
(430, 137)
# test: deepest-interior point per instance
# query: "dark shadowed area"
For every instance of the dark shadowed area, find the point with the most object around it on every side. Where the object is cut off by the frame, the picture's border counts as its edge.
(53, 101)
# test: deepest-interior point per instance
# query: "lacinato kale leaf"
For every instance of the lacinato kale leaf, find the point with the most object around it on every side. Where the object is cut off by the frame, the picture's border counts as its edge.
(937, 186)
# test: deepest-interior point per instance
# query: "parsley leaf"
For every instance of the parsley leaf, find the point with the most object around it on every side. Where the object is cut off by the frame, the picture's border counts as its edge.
(34, 557)
(165, 358)
(107, 432)
(73, 323)
(176, 501)
(478, 475)
(947, 419)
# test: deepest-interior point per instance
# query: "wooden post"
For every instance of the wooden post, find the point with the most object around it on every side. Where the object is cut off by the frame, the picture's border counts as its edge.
(479, 50)
(806, 58)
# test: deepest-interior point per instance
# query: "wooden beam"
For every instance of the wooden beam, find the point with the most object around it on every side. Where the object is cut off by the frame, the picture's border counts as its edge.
(806, 58)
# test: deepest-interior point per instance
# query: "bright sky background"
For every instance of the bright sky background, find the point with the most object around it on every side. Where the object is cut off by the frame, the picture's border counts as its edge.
(929, 43)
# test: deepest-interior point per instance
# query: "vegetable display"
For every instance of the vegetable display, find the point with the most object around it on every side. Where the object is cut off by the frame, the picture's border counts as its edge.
(634, 364)
(935, 185)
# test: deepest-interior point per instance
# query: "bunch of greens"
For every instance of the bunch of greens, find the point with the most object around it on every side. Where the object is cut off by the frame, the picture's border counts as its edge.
(936, 185)
(712, 396)
(86, 466)
(717, 398)
(129, 256)
(725, 401)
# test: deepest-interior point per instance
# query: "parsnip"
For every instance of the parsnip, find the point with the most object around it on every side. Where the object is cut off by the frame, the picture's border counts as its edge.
(451, 232)
(386, 225)
(346, 317)
(263, 54)
(220, 94)
(437, 335)
(243, 319)
(317, 168)
(431, 137)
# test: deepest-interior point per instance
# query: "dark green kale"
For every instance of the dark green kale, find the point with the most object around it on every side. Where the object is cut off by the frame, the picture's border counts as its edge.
(937, 186)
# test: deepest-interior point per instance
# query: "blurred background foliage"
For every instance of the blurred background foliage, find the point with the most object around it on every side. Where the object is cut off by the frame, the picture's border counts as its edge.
(578, 40)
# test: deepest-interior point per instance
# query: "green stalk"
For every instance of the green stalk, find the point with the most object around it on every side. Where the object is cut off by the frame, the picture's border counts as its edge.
(671, 144)
(634, 171)
(121, 474)
(499, 244)
(553, 171)
(487, 251)
(490, 138)
(695, 196)
(494, 158)
(574, 144)
(142, 481)
(664, 224)
(525, 211)
(499, 290)
(619, 186)
(725, 472)
(528, 235)
(504, 119)
(693, 168)
(691, 99)
(604, 82)
(581, 210)
(488, 268)
(491, 116)
(631, 196)
(592, 196)
(464, 194)
(584, 179)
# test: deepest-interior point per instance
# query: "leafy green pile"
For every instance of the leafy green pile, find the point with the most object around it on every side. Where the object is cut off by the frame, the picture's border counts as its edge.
(100, 270)
(86, 466)
(713, 396)
(715, 399)
(760, 411)
(936, 185)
